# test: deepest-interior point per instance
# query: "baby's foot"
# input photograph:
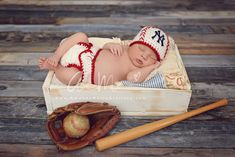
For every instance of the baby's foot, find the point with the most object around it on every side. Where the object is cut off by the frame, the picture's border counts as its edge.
(42, 63)
(53, 60)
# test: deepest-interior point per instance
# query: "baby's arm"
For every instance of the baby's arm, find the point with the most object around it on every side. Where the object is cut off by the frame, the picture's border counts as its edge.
(115, 48)
(139, 75)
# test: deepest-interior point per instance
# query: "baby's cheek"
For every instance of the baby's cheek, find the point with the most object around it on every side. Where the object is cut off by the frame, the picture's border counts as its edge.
(150, 63)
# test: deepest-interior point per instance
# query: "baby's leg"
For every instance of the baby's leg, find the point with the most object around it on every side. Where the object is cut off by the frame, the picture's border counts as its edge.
(68, 76)
(65, 46)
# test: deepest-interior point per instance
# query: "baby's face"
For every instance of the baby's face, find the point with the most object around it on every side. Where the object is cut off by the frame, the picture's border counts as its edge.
(141, 55)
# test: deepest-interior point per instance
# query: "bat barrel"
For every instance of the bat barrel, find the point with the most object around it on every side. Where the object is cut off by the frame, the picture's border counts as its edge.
(134, 133)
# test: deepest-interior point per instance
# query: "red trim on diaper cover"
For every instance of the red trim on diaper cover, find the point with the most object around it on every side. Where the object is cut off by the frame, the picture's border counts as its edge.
(93, 66)
(75, 66)
(80, 68)
(87, 45)
(80, 61)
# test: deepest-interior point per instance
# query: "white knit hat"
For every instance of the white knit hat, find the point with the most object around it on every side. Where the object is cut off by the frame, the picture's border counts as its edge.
(155, 39)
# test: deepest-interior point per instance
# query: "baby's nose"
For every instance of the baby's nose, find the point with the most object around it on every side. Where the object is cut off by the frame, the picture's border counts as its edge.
(144, 56)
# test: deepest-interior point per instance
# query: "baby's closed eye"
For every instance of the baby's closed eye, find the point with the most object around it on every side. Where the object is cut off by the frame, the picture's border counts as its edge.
(141, 47)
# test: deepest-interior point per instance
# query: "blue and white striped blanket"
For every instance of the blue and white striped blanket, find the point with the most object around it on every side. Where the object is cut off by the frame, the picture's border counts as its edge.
(157, 81)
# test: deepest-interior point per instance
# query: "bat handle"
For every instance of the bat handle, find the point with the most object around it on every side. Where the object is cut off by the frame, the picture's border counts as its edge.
(134, 133)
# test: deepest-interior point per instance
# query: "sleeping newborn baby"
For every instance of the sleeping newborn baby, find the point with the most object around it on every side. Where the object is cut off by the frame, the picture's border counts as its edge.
(77, 60)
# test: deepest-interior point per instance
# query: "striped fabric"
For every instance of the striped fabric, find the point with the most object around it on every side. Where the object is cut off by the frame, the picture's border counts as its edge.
(157, 81)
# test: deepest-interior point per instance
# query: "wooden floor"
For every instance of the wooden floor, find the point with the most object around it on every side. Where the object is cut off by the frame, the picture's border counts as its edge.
(203, 30)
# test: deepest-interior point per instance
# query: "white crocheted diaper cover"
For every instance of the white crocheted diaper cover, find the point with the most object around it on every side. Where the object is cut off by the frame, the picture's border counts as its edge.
(82, 56)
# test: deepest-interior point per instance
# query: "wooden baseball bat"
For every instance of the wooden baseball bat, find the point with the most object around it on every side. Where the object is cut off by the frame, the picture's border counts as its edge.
(134, 133)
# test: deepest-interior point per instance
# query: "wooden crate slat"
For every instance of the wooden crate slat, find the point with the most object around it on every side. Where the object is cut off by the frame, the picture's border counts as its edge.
(33, 89)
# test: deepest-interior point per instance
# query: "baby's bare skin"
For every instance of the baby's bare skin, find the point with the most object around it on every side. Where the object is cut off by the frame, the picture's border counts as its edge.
(114, 63)
(113, 67)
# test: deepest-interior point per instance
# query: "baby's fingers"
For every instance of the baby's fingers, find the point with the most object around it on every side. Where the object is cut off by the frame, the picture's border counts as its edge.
(120, 51)
(117, 51)
(113, 51)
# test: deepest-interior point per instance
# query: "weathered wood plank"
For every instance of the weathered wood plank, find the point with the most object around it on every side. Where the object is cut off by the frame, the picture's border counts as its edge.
(22, 73)
(31, 59)
(205, 61)
(177, 12)
(53, 34)
(47, 41)
(184, 47)
(86, 27)
(23, 59)
(35, 108)
(72, 2)
(150, 20)
(25, 47)
(23, 107)
(95, 26)
(206, 48)
(210, 74)
(158, 4)
(219, 133)
(21, 88)
(18, 150)
(41, 16)
(207, 51)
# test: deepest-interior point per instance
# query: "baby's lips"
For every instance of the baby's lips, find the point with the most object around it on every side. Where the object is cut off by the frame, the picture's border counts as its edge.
(139, 61)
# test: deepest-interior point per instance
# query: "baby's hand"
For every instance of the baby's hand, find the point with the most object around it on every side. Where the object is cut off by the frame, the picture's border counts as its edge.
(115, 48)
(156, 65)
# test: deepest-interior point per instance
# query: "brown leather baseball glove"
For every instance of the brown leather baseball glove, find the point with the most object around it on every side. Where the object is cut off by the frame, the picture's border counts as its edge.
(102, 117)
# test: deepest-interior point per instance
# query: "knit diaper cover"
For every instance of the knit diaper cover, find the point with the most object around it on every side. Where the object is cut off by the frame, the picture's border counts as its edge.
(82, 56)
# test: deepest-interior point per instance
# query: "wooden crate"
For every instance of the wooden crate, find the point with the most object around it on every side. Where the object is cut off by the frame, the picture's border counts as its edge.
(131, 101)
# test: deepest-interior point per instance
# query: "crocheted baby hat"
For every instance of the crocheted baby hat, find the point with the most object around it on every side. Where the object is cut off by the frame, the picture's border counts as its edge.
(155, 39)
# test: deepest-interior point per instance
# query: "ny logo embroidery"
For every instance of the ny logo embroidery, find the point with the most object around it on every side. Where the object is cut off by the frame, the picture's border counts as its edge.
(160, 38)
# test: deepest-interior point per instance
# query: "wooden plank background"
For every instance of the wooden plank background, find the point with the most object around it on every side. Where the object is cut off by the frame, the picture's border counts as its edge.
(203, 30)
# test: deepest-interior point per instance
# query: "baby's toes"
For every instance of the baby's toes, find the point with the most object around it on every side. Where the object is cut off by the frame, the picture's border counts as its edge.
(48, 61)
(40, 65)
(40, 61)
(55, 64)
(42, 58)
(52, 62)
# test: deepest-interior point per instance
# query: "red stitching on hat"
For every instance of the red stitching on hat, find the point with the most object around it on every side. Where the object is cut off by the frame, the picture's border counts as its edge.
(143, 31)
(141, 39)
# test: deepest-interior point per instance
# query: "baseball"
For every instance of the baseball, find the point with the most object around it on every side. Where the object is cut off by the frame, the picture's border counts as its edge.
(75, 125)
